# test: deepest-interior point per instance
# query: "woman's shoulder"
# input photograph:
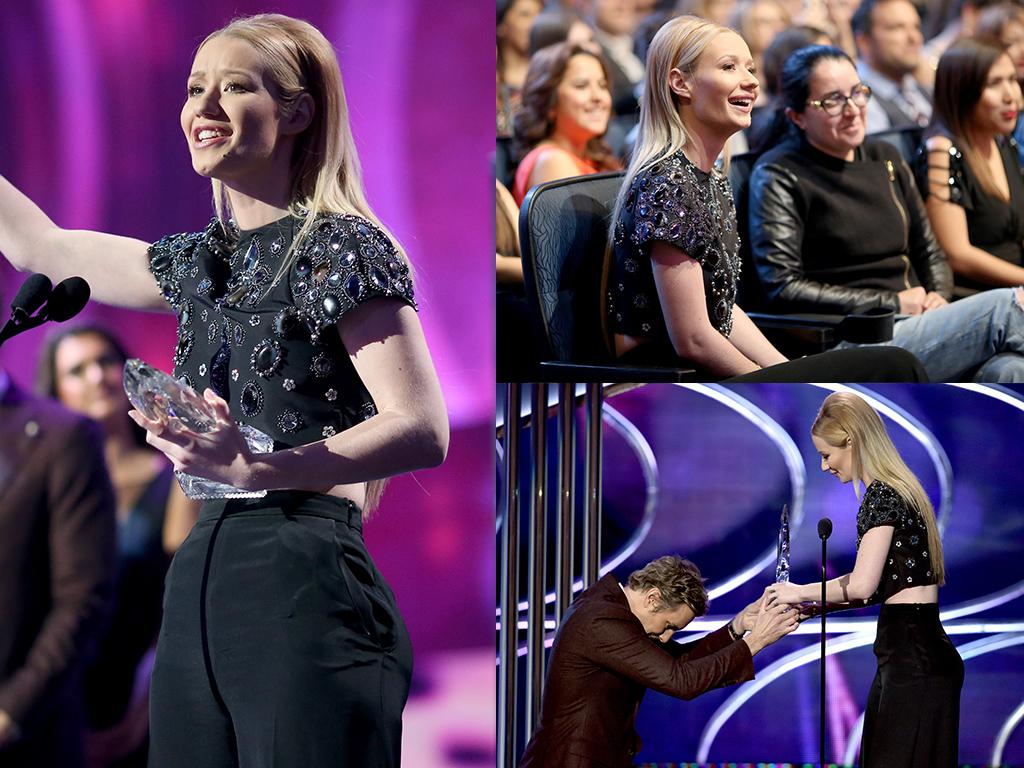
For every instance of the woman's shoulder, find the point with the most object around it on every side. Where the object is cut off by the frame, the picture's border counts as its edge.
(344, 260)
(175, 257)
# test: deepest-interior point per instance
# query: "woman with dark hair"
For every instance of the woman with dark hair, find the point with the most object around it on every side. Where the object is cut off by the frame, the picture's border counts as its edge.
(281, 643)
(561, 25)
(1002, 26)
(514, 19)
(787, 41)
(837, 225)
(565, 111)
(968, 169)
(674, 263)
(912, 715)
(82, 368)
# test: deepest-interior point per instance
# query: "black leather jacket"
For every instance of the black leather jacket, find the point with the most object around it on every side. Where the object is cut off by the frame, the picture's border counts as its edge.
(834, 236)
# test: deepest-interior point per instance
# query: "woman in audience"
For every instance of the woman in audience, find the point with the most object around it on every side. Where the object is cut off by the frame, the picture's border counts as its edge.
(837, 225)
(1003, 26)
(82, 368)
(970, 175)
(565, 111)
(514, 18)
(671, 288)
(787, 41)
(758, 22)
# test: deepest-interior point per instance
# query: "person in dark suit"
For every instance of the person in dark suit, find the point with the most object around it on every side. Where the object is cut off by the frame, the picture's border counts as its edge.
(613, 645)
(57, 539)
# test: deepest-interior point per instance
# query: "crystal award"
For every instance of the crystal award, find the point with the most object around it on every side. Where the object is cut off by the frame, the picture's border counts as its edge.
(162, 397)
(782, 560)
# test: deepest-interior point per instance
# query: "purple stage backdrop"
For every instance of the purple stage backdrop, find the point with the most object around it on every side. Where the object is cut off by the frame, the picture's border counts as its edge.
(93, 89)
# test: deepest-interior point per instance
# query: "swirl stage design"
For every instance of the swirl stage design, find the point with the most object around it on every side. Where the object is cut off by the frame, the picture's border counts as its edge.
(703, 471)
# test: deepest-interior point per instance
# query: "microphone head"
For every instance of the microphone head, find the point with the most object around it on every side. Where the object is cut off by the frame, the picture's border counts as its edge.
(69, 297)
(30, 297)
(824, 528)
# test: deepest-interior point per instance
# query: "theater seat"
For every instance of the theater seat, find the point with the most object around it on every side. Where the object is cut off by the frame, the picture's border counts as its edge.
(563, 236)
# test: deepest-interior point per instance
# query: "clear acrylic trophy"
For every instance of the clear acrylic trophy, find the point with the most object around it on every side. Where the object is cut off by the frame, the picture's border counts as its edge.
(162, 397)
(782, 561)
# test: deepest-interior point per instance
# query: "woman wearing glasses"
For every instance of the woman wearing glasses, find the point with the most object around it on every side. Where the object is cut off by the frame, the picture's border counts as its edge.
(672, 277)
(837, 225)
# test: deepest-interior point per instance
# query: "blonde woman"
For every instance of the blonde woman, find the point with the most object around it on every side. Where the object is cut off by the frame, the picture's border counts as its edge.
(281, 644)
(912, 715)
(674, 265)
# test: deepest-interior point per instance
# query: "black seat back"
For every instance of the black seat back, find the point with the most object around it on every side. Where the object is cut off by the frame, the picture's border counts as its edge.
(750, 294)
(563, 228)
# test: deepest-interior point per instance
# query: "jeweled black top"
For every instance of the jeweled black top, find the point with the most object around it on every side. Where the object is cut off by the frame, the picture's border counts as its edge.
(908, 563)
(271, 349)
(676, 202)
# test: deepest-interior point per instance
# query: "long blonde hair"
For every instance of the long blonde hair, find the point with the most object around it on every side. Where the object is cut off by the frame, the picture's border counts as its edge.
(325, 173)
(326, 176)
(845, 416)
(661, 132)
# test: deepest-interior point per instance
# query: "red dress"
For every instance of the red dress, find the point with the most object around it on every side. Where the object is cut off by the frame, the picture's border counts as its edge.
(519, 188)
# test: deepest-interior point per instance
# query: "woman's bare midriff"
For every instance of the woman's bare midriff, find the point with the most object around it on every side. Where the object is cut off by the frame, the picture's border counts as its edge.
(928, 593)
(354, 492)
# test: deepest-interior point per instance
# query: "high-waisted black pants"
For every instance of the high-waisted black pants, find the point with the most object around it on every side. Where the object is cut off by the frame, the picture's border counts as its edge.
(281, 644)
(912, 719)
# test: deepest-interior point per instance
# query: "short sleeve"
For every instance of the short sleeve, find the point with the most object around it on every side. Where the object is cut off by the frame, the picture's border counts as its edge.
(954, 187)
(668, 207)
(881, 505)
(344, 262)
(167, 258)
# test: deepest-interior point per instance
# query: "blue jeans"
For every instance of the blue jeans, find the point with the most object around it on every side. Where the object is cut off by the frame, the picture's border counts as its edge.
(980, 338)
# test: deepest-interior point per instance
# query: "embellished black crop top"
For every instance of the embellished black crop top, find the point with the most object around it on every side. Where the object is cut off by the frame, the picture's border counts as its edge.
(270, 350)
(908, 563)
(675, 201)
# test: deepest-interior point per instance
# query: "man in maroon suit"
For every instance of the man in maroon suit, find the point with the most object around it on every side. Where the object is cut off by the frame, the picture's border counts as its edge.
(57, 538)
(613, 645)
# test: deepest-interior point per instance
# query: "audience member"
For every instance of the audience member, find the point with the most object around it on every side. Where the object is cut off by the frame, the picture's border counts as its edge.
(1003, 26)
(787, 41)
(564, 114)
(560, 25)
(672, 278)
(615, 22)
(513, 33)
(758, 22)
(888, 36)
(970, 176)
(961, 20)
(82, 368)
(809, 201)
(57, 540)
(717, 11)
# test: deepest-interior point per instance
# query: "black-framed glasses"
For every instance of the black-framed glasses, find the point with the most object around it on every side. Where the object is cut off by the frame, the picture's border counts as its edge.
(834, 103)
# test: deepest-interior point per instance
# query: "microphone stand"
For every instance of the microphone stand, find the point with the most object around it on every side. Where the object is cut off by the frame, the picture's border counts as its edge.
(821, 744)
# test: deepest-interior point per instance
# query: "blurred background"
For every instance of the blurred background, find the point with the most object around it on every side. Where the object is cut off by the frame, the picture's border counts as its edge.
(704, 471)
(93, 91)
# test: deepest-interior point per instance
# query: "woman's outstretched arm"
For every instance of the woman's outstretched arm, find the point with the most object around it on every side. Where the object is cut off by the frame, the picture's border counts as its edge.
(116, 268)
(860, 584)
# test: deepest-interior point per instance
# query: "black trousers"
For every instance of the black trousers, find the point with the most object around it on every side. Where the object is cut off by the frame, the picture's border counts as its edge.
(851, 365)
(281, 644)
(912, 718)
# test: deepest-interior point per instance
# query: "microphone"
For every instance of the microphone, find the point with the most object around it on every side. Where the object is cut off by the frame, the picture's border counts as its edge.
(824, 528)
(31, 296)
(65, 301)
(68, 299)
(824, 531)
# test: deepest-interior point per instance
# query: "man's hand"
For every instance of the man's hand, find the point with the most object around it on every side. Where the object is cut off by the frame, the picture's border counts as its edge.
(744, 620)
(9, 731)
(772, 623)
